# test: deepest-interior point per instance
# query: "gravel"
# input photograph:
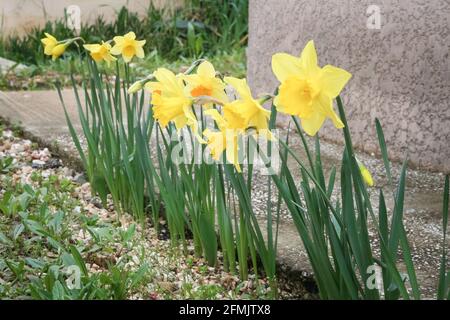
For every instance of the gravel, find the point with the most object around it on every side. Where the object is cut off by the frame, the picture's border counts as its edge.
(174, 275)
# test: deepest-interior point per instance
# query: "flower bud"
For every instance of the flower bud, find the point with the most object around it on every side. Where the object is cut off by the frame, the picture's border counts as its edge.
(135, 87)
(367, 177)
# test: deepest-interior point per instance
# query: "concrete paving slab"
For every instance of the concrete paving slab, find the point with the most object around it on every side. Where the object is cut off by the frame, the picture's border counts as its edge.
(39, 112)
(6, 65)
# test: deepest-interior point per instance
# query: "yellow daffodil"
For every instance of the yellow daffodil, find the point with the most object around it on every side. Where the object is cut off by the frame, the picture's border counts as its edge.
(205, 83)
(238, 116)
(246, 107)
(227, 138)
(49, 43)
(52, 47)
(100, 52)
(169, 100)
(307, 90)
(367, 177)
(128, 47)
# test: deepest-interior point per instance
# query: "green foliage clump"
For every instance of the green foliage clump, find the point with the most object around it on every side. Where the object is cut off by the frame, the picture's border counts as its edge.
(200, 27)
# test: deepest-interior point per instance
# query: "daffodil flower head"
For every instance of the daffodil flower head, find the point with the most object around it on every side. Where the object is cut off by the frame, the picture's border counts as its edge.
(367, 177)
(308, 90)
(248, 108)
(205, 83)
(128, 47)
(170, 103)
(100, 52)
(49, 43)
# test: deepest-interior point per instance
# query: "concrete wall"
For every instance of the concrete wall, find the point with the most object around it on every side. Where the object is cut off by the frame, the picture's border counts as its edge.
(401, 71)
(18, 16)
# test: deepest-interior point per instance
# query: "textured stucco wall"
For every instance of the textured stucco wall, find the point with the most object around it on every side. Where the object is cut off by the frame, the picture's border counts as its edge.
(401, 72)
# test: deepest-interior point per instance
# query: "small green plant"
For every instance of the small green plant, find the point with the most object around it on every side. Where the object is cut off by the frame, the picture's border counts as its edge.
(6, 164)
(120, 282)
(208, 291)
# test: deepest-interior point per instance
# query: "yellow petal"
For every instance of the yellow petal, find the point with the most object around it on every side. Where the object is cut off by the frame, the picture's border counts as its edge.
(169, 81)
(241, 86)
(220, 94)
(130, 36)
(217, 117)
(260, 121)
(216, 143)
(285, 65)
(48, 49)
(206, 69)
(278, 105)
(232, 117)
(308, 59)
(127, 58)
(153, 86)
(312, 124)
(333, 80)
(48, 42)
(91, 47)
(180, 121)
(232, 148)
(118, 40)
(325, 104)
(49, 36)
(140, 52)
(116, 50)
